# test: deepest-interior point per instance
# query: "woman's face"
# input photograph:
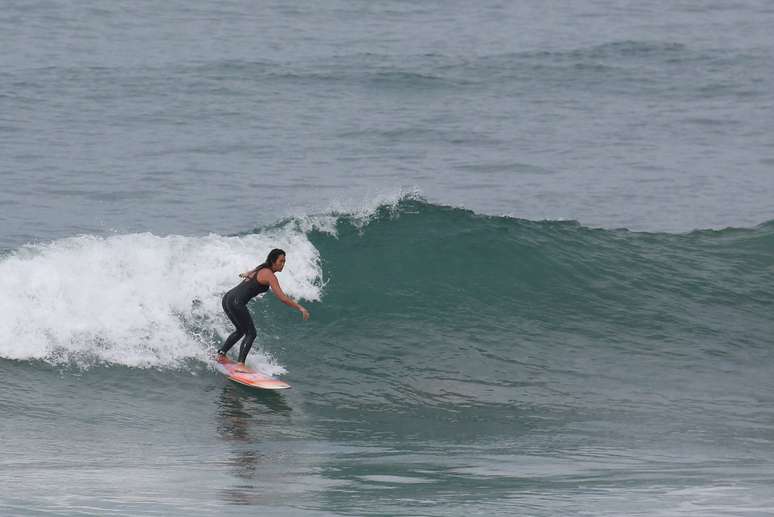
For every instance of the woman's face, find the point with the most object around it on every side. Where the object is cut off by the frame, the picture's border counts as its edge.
(278, 264)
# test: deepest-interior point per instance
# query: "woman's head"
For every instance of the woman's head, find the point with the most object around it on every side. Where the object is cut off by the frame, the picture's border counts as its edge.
(275, 260)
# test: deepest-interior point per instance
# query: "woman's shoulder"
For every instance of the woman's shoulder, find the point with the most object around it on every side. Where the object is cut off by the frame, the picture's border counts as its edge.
(264, 275)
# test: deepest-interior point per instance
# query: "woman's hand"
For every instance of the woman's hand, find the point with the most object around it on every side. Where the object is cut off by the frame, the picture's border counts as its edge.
(304, 313)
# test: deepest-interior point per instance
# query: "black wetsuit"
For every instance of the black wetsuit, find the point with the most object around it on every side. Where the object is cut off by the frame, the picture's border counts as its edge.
(235, 305)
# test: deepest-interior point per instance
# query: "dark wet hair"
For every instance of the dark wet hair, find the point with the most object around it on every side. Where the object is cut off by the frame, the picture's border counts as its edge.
(271, 258)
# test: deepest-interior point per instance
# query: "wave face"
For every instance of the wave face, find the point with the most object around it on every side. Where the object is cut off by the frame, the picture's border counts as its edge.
(436, 305)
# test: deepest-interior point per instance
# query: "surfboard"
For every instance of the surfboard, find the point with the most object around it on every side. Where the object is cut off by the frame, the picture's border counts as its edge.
(246, 376)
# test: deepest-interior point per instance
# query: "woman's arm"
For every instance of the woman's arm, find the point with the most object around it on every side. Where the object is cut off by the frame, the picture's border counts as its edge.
(279, 293)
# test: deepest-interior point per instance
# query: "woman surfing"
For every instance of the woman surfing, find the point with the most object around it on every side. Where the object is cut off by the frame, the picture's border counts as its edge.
(255, 282)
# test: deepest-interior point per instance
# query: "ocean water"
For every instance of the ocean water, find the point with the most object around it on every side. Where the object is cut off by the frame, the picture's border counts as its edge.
(536, 240)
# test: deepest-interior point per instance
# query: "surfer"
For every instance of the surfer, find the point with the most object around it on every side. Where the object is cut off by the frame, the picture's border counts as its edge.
(255, 282)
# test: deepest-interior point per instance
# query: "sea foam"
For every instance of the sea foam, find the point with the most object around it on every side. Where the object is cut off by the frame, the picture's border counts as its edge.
(137, 299)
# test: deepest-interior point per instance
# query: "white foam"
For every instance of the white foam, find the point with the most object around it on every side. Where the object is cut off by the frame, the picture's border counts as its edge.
(358, 213)
(137, 299)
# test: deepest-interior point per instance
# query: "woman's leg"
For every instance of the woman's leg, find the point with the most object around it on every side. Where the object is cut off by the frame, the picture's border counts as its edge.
(247, 325)
(238, 333)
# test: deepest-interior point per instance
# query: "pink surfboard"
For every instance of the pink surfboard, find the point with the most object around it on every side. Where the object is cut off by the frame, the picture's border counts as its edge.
(246, 376)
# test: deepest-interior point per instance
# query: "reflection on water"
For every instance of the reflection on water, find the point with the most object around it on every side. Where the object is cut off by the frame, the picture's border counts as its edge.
(245, 418)
(239, 407)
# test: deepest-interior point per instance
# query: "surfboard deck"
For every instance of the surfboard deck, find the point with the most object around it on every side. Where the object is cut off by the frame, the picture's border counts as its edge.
(247, 377)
